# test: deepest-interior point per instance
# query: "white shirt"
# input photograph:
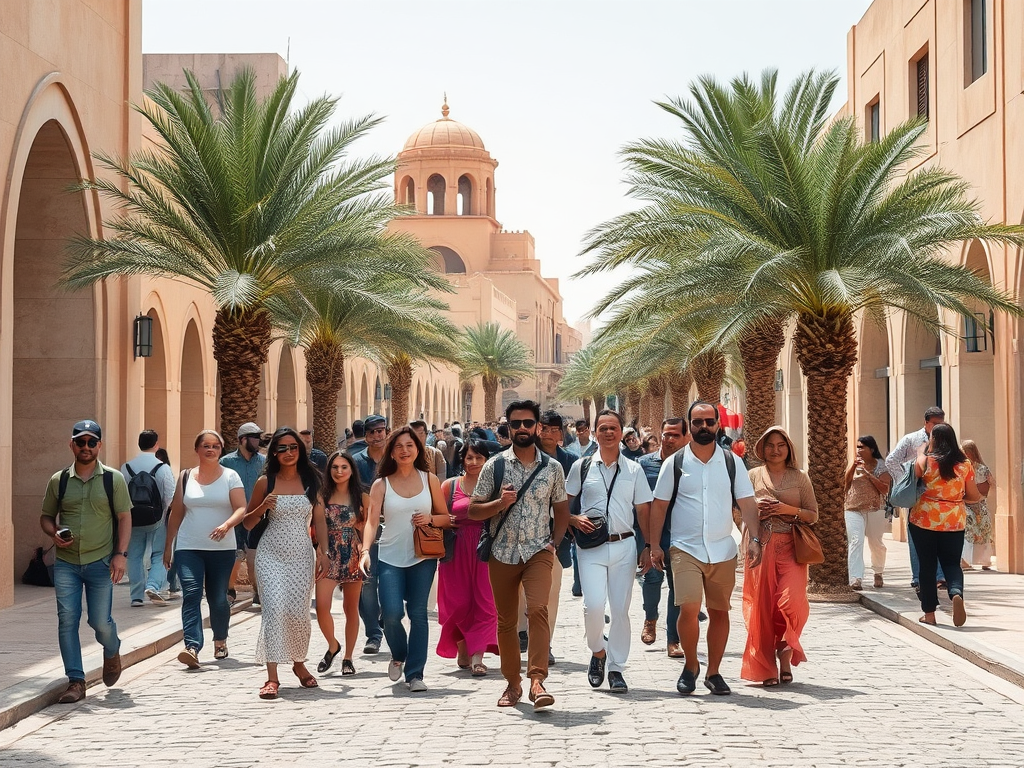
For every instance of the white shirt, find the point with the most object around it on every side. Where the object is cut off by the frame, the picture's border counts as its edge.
(396, 542)
(207, 507)
(905, 450)
(165, 480)
(702, 523)
(631, 487)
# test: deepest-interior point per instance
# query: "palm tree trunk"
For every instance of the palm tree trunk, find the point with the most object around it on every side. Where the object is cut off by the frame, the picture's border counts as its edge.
(600, 403)
(490, 397)
(399, 371)
(646, 406)
(759, 351)
(633, 404)
(240, 346)
(709, 372)
(586, 409)
(679, 384)
(325, 372)
(657, 390)
(826, 347)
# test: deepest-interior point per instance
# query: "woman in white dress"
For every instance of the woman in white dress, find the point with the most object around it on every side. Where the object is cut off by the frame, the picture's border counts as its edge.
(285, 558)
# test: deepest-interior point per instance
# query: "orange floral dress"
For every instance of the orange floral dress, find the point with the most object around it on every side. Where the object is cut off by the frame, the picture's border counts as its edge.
(941, 506)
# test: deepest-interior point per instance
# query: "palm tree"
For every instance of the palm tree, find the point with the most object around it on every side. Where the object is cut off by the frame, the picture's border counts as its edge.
(433, 340)
(495, 355)
(241, 203)
(579, 382)
(813, 226)
(331, 318)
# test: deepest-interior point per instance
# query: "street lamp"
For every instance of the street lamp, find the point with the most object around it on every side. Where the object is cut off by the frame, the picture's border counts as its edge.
(143, 336)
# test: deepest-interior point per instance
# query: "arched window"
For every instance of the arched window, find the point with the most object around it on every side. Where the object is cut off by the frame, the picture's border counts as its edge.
(435, 195)
(450, 262)
(465, 196)
(407, 191)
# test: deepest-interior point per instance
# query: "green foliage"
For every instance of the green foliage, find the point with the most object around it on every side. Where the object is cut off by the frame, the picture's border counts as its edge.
(491, 352)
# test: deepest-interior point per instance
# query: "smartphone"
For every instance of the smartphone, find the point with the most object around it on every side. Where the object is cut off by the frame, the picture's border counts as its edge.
(64, 534)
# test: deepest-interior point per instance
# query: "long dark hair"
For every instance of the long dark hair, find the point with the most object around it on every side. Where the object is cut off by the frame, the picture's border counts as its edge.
(355, 488)
(309, 474)
(869, 441)
(388, 466)
(946, 450)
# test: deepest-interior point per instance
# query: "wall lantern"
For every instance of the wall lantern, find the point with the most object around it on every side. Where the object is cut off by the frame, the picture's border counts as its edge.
(143, 336)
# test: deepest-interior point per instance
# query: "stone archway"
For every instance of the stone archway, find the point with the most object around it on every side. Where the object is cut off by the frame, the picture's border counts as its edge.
(192, 399)
(154, 378)
(54, 377)
(874, 405)
(287, 410)
(922, 375)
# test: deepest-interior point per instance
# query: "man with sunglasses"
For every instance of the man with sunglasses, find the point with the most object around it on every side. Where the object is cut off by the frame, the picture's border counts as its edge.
(376, 434)
(87, 497)
(248, 462)
(583, 446)
(703, 551)
(523, 550)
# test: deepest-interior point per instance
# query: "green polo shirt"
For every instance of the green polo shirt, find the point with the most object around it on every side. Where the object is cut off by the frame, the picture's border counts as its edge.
(86, 511)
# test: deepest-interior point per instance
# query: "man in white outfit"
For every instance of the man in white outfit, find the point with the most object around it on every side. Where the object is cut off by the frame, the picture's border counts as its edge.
(613, 485)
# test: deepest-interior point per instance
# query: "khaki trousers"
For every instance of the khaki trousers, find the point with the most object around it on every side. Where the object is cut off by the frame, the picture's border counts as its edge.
(556, 587)
(534, 576)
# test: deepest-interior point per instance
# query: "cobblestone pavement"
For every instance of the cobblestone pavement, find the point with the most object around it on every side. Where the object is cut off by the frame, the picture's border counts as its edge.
(871, 694)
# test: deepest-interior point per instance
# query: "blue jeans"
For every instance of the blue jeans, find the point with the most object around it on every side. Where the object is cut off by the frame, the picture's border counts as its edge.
(651, 587)
(405, 591)
(915, 562)
(212, 568)
(69, 580)
(145, 538)
(369, 603)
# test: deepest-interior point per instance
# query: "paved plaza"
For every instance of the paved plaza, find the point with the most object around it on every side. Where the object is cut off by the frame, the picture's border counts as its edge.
(872, 693)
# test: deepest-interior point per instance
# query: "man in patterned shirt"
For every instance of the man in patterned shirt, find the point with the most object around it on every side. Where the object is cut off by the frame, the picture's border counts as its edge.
(523, 552)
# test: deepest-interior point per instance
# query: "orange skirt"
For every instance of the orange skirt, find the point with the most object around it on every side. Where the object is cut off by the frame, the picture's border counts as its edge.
(775, 608)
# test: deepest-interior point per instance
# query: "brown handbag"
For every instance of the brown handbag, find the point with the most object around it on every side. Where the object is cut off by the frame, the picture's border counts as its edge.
(806, 547)
(428, 542)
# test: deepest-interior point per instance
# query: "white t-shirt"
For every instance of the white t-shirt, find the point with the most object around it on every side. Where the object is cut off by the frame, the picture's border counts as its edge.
(631, 488)
(702, 523)
(207, 507)
(396, 544)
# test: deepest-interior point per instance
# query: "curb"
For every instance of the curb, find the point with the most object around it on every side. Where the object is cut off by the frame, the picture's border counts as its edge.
(30, 698)
(990, 659)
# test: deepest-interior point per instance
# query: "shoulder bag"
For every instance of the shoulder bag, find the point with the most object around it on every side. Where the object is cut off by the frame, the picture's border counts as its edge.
(598, 536)
(428, 542)
(907, 490)
(806, 546)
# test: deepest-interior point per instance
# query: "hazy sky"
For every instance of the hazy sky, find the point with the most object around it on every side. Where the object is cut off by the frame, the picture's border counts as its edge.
(554, 88)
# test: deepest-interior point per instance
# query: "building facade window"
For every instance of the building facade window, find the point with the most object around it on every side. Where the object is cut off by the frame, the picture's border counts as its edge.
(435, 195)
(874, 121)
(977, 39)
(465, 201)
(921, 85)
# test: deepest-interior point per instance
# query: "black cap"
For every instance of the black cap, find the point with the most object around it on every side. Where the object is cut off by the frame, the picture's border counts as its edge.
(374, 421)
(87, 427)
(551, 419)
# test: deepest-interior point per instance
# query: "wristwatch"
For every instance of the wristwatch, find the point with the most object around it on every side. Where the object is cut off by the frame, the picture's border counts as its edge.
(647, 546)
(756, 541)
(122, 554)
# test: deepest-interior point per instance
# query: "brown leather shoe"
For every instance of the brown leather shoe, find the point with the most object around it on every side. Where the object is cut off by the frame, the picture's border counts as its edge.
(650, 632)
(75, 692)
(675, 651)
(510, 697)
(539, 696)
(111, 670)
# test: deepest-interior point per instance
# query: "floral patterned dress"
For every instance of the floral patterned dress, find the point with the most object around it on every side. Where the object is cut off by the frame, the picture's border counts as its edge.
(979, 521)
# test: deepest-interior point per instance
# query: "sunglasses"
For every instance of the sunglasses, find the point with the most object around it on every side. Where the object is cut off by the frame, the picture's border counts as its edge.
(703, 422)
(81, 442)
(287, 448)
(517, 423)
(376, 430)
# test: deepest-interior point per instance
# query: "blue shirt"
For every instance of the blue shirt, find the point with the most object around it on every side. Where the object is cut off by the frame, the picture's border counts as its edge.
(250, 471)
(367, 469)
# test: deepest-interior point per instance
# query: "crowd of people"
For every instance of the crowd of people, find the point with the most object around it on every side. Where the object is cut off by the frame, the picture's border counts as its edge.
(490, 516)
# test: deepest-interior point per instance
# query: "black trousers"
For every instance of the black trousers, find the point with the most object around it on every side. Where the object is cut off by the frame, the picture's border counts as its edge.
(934, 547)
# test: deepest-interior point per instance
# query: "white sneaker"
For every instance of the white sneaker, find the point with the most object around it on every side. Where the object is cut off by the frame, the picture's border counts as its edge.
(137, 603)
(416, 685)
(155, 597)
(395, 671)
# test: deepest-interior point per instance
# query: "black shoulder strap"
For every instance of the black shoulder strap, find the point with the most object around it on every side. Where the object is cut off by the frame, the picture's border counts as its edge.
(62, 486)
(730, 465)
(154, 470)
(677, 473)
(577, 502)
(499, 476)
(108, 487)
(451, 493)
(129, 468)
(184, 482)
(270, 483)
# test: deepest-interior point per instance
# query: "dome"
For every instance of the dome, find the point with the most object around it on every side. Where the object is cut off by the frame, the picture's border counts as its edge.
(444, 133)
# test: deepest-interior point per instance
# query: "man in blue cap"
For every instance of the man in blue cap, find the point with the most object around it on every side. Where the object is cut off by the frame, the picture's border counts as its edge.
(376, 434)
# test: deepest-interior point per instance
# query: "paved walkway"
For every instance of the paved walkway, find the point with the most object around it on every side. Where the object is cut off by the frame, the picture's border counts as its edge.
(872, 693)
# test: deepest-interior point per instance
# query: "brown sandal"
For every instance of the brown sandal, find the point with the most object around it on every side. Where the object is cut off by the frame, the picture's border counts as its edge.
(510, 697)
(479, 670)
(269, 689)
(924, 620)
(306, 682)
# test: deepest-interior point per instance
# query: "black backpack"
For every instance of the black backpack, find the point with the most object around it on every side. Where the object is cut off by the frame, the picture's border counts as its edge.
(147, 506)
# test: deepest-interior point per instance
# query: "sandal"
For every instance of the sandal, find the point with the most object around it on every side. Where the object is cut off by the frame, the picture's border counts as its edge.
(540, 698)
(220, 652)
(269, 689)
(510, 697)
(479, 670)
(327, 660)
(785, 657)
(925, 620)
(771, 682)
(785, 678)
(306, 682)
(347, 668)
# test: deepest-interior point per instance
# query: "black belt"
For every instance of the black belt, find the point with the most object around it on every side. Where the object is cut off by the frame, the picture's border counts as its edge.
(619, 536)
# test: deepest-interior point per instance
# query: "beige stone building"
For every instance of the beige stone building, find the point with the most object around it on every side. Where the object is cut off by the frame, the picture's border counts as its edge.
(960, 65)
(71, 70)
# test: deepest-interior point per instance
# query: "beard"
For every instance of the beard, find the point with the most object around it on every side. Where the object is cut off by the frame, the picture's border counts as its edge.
(523, 439)
(704, 437)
